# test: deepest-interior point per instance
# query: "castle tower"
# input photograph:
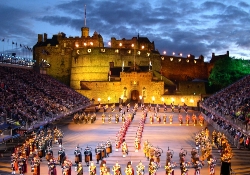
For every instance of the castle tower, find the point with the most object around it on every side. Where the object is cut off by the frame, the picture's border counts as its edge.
(85, 32)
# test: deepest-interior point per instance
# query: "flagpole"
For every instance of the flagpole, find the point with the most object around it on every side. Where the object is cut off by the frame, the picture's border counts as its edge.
(85, 16)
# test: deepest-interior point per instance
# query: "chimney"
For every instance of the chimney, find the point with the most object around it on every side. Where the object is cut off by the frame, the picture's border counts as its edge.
(40, 38)
(45, 36)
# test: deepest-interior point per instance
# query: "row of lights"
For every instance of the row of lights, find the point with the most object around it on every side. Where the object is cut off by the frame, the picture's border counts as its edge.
(85, 44)
(182, 99)
(180, 54)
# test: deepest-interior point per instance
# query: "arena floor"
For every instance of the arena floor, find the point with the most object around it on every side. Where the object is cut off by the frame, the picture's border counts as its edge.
(162, 135)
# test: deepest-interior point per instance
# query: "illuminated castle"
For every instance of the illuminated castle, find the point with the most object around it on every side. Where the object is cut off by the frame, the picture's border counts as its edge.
(128, 69)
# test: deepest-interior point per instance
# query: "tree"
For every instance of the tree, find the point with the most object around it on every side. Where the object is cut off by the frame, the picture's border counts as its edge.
(227, 71)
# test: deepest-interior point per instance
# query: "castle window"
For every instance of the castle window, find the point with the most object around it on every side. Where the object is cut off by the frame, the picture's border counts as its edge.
(91, 43)
(129, 51)
(148, 54)
(142, 47)
(139, 53)
(64, 44)
(179, 60)
(194, 61)
(171, 59)
(116, 50)
(187, 61)
(129, 63)
(144, 92)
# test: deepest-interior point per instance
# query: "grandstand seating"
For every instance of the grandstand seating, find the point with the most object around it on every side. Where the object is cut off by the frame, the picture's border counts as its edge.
(27, 98)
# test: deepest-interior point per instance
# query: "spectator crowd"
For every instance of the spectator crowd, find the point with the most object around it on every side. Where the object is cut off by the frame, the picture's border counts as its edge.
(27, 97)
(229, 110)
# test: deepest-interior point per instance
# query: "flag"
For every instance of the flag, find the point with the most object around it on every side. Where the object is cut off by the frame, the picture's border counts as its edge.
(20, 45)
(2, 39)
(13, 42)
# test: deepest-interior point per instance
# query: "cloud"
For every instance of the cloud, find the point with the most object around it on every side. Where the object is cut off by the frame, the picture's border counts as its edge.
(175, 26)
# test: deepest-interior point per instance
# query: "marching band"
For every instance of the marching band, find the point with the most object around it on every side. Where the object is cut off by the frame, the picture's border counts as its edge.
(40, 144)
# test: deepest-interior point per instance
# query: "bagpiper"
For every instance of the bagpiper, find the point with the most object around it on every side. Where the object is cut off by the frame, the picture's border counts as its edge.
(98, 154)
(88, 155)
(12, 166)
(140, 168)
(61, 156)
(108, 147)
(92, 169)
(117, 169)
(78, 155)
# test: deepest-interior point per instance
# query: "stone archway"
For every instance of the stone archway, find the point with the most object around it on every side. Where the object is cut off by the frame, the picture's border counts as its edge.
(134, 95)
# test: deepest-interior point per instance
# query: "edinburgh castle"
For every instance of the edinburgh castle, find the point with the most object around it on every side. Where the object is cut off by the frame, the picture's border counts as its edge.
(126, 69)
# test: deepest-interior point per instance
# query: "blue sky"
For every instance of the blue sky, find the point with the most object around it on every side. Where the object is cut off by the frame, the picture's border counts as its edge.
(181, 26)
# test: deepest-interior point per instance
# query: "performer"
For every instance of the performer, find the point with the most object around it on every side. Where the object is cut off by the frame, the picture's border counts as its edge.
(92, 169)
(158, 119)
(179, 108)
(137, 144)
(129, 169)
(79, 169)
(109, 118)
(187, 119)
(124, 149)
(194, 118)
(52, 167)
(61, 156)
(98, 154)
(152, 168)
(103, 118)
(35, 166)
(12, 166)
(211, 162)
(183, 167)
(78, 155)
(103, 169)
(116, 118)
(197, 168)
(21, 166)
(108, 147)
(140, 168)
(49, 154)
(151, 119)
(88, 155)
(169, 169)
(164, 118)
(171, 119)
(117, 169)
(180, 119)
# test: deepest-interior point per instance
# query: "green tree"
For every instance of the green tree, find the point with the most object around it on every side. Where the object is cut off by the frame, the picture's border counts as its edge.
(227, 71)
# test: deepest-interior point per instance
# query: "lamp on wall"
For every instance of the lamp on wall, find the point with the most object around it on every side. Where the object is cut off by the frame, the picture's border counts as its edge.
(99, 99)
(108, 99)
(153, 99)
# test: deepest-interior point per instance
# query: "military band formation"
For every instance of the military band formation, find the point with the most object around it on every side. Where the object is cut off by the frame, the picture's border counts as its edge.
(39, 146)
